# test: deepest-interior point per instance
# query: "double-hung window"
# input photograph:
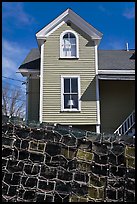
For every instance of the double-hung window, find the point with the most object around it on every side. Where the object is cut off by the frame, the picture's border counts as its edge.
(70, 93)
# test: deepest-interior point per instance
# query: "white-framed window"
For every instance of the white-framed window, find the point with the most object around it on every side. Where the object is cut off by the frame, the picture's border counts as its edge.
(70, 93)
(69, 45)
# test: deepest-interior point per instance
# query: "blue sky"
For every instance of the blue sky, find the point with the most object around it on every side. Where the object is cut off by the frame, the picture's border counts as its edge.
(22, 20)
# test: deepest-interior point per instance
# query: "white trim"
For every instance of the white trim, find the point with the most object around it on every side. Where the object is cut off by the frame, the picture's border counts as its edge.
(27, 89)
(86, 27)
(69, 15)
(116, 78)
(116, 71)
(41, 83)
(77, 44)
(27, 70)
(96, 60)
(52, 24)
(79, 93)
(27, 73)
(54, 29)
(62, 91)
(97, 91)
(40, 41)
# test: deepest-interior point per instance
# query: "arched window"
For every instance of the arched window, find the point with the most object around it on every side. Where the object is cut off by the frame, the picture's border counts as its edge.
(69, 45)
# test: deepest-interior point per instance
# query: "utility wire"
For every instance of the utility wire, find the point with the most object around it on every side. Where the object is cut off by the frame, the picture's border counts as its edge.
(12, 79)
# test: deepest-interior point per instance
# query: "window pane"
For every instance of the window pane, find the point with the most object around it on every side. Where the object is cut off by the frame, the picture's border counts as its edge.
(75, 100)
(67, 43)
(71, 35)
(73, 41)
(66, 85)
(66, 99)
(73, 50)
(74, 85)
(65, 52)
(65, 36)
(67, 48)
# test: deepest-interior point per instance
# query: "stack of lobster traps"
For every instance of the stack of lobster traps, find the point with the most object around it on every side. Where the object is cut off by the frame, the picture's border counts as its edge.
(54, 163)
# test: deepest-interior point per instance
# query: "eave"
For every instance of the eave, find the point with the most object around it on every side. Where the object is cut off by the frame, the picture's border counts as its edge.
(116, 77)
(28, 72)
(116, 72)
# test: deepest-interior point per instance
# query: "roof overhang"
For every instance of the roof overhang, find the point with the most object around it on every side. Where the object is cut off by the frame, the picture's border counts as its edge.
(27, 72)
(68, 16)
(116, 74)
(116, 77)
(116, 71)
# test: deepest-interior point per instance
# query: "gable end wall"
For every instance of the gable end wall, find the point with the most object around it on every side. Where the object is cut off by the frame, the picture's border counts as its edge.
(53, 68)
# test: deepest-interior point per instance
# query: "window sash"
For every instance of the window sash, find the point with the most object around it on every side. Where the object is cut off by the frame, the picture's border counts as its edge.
(69, 46)
(73, 97)
(72, 85)
(70, 93)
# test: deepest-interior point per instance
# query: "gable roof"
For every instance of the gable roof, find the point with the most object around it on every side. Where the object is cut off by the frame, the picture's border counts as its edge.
(68, 16)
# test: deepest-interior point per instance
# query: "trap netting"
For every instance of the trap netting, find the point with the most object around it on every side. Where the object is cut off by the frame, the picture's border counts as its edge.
(53, 163)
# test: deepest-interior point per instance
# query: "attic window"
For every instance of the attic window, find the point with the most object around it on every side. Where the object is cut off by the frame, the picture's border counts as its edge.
(69, 45)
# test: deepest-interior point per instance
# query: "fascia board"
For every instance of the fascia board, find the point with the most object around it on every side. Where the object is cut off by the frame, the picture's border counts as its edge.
(51, 30)
(116, 71)
(116, 77)
(52, 24)
(87, 26)
(28, 71)
(74, 18)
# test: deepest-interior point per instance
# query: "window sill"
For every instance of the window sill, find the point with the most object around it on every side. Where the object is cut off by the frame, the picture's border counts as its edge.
(70, 111)
(68, 58)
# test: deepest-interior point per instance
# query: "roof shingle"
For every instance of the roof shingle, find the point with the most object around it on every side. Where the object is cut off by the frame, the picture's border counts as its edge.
(32, 60)
(116, 60)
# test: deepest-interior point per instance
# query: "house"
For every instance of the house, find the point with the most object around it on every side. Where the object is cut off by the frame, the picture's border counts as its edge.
(71, 82)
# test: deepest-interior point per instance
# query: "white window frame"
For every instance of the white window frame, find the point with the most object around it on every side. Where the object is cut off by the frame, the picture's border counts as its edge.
(62, 94)
(77, 44)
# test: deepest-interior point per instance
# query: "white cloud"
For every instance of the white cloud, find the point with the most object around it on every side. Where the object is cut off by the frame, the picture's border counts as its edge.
(104, 10)
(16, 11)
(12, 56)
(129, 13)
(8, 63)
